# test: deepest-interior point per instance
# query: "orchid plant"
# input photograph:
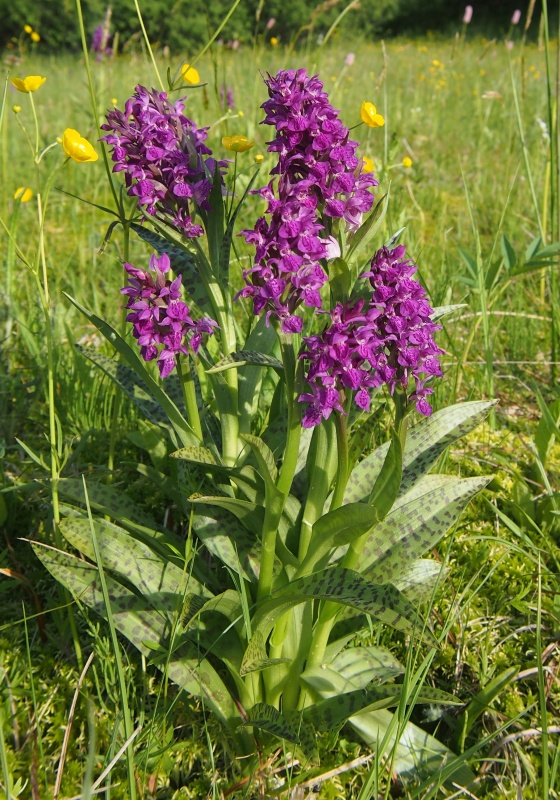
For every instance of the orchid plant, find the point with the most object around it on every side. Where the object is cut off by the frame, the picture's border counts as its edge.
(268, 392)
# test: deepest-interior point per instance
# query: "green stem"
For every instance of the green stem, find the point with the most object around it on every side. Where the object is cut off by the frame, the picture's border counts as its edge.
(319, 470)
(189, 393)
(148, 45)
(292, 372)
(36, 121)
(342, 472)
(118, 393)
(272, 514)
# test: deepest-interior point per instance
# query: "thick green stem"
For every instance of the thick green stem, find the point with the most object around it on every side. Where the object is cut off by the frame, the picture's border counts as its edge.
(342, 472)
(319, 469)
(189, 394)
(273, 512)
(292, 374)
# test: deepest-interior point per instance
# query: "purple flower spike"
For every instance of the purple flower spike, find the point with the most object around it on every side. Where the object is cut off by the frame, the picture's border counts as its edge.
(389, 342)
(321, 183)
(163, 156)
(161, 321)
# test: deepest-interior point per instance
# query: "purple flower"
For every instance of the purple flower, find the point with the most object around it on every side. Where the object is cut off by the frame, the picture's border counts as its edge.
(163, 157)
(388, 342)
(227, 100)
(321, 186)
(161, 321)
(102, 36)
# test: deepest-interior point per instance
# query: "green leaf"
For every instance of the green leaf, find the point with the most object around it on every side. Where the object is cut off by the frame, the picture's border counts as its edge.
(233, 545)
(416, 753)
(386, 487)
(129, 382)
(144, 627)
(346, 587)
(336, 529)
(481, 703)
(365, 665)
(180, 424)
(183, 263)
(418, 580)
(249, 514)
(369, 227)
(265, 458)
(244, 357)
(508, 253)
(262, 339)
(215, 220)
(547, 431)
(158, 580)
(444, 311)
(256, 658)
(339, 280)
(269, 719)
(333, 712)
(196, 455)
(307, 736)
(425, 443)
(415, 527)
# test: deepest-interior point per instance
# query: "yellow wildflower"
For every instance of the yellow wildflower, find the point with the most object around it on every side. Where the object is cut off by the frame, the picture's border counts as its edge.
(369, 115)
(274, 41)
(28, 29)
(23, 194)
(113, 101)
(368, 165)
(16, 109)
(237, 143)
(407, 162)
(190, 74)
(259, 158)
(28, 84)
(78, 148)
(35, 37)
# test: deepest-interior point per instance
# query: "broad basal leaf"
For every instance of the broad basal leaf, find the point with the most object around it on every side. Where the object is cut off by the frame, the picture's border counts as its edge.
(269, 719)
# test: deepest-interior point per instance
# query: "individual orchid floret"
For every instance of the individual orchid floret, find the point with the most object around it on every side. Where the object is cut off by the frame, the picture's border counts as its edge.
(389, 342)
(161, 321)
(163, 156)
(321, 180)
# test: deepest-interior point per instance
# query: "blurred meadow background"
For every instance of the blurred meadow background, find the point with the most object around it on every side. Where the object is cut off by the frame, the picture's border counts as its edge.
(469, 154)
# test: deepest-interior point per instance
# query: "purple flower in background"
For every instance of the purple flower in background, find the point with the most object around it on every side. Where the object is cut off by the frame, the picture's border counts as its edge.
(271, 23)
(226, 97)
(388, 342)
(349, 60)
(321, 186)
(163, 157)
(102, 36)
(516, 17)
(467, 16)
(161, 320)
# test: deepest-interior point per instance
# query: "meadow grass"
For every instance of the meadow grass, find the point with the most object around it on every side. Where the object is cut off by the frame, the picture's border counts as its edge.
(456, 109)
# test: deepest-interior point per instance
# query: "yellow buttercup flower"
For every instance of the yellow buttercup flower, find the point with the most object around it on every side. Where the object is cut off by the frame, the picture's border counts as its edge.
(274, 41)
(113, 101)
(29, 84)
(259, 158)
(16, 109)
(407, 162)
(78, 148)
(28, 28)
(23, 194)
(35, 37)
(237, 143)
(368, 166)
(190, 74)
(369, 115)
